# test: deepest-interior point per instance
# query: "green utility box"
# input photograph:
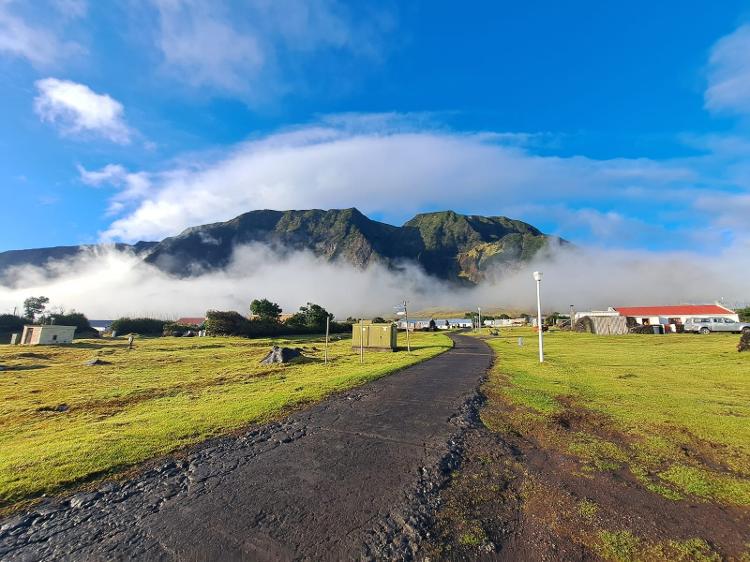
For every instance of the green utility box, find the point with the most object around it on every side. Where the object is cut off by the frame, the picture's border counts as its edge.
(375, 337)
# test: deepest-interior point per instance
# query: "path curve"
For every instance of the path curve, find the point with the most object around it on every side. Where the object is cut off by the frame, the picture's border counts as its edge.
(335, 481)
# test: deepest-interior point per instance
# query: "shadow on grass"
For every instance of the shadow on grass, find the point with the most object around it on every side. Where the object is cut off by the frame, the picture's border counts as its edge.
(24, 367)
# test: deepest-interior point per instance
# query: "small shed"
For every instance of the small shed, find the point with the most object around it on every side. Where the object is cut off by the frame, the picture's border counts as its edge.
(377, 337)
(51, 334)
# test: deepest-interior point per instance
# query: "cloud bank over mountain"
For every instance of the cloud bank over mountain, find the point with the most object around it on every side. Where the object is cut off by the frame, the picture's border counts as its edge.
(109, 283)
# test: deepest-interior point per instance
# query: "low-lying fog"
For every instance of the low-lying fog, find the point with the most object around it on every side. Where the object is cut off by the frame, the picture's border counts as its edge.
(109, 284)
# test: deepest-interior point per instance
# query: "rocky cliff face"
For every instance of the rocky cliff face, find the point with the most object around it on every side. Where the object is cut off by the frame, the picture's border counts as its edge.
(447, 245)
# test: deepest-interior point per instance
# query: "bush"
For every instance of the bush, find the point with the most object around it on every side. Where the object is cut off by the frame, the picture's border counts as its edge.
(140, 326)
(10, 324)
(83, 328)
(226, 323)
(175, 329)
(231, 323)
(311, 318)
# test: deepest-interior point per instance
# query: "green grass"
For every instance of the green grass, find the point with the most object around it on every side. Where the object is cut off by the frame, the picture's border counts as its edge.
(164, 394)
(619, 546)
(675, 409)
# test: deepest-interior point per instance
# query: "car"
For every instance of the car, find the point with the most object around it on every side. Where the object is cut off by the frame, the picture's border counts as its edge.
(708, 325)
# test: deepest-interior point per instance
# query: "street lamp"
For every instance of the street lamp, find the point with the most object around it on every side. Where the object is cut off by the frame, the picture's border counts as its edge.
(538, 279)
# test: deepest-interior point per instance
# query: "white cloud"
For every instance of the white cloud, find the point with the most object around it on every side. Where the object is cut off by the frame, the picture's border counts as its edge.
(729, 73)
(71, 9)
(391, 174)
(91, 283)
(40, 45)
(76, 110)
(132, 186)
(257, 50)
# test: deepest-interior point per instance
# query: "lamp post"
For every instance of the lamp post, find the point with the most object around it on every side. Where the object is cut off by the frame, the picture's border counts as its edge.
(572, 315)
(479, 308)
(538, 279)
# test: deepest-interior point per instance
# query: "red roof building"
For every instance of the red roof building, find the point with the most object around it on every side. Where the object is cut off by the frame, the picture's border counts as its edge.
(187, 321)
(676, 310)
(675, 314)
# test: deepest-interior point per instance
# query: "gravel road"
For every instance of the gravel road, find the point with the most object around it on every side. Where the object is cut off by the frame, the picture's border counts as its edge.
(355, 476)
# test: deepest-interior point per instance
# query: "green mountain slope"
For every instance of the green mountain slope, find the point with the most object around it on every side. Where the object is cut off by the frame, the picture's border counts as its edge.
(447, 245)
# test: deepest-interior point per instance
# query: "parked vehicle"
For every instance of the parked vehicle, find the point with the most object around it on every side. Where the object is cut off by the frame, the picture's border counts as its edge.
(708, 325)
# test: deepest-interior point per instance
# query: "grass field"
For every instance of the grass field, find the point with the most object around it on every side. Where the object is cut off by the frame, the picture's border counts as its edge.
(62, 423)
(634, 447)
(675, 409)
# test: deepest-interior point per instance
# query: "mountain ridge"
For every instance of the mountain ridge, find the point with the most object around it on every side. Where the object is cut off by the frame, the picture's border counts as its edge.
(445, 244)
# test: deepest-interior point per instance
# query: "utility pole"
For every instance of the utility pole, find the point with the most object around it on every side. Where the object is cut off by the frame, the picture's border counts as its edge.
(361, 341)
(479, 308)
(538, 279)
(328, 325)
(572, 317)
(406, 316)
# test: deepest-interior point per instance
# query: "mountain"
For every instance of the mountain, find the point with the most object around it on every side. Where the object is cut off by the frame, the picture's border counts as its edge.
(447, 245)
(40, 257)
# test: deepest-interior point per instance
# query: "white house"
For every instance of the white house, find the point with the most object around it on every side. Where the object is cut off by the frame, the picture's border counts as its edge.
(440, 323)
(611, 312)
(678, 314)
(47, 335)
(505, 322)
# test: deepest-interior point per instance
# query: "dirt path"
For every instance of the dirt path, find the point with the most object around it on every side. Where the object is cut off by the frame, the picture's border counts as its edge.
(351, 477)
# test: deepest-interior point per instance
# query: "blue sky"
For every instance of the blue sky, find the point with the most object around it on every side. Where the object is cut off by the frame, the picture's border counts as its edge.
(619, 127)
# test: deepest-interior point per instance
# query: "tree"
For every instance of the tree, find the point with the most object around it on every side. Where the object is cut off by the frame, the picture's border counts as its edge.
(34, 306)
(378, 320)
(265, 310)
(310, 317)
(744, 314)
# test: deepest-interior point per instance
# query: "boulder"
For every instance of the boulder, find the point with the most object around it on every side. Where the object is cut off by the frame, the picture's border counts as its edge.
(96, 361)
(744, 344)
(282, 355)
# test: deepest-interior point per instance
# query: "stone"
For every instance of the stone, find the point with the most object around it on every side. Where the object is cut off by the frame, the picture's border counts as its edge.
(282, 355)
(82, 500)
(96, 361)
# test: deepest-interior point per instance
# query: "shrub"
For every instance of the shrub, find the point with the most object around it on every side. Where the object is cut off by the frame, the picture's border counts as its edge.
(140, 326)
(307, 321)
(10, 324)
(83, 328)
(175, 329)
(226, 323)
(310, 318)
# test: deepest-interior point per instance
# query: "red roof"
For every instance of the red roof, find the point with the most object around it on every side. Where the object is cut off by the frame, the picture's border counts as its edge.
(678, 310)
(191, 321)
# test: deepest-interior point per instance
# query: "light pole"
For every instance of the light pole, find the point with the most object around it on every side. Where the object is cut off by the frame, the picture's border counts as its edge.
(406, 317)
(538, 279)
(479, 308)
(572, 315)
